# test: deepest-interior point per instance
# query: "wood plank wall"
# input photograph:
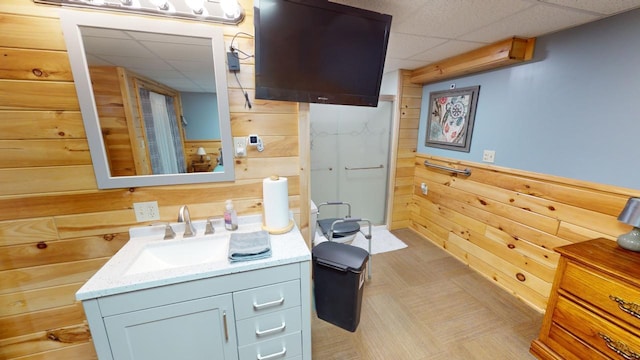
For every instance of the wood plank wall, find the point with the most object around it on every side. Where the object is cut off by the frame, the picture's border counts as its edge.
(115, 121)
(405, 144)
(56, 227)
(505, 223)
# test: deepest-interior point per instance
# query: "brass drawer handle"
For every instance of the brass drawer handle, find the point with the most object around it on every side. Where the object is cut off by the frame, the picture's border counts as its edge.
(619, 348)
(268, 304)
(271, 331)
(630, 308)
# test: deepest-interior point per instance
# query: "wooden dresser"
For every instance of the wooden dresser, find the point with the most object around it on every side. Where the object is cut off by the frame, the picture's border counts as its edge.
(594, 306)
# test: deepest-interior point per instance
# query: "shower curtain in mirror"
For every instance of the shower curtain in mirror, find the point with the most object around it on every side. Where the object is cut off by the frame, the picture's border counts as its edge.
(163, 135)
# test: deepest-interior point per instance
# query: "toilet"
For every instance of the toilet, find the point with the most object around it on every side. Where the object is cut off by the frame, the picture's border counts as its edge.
(344, 233)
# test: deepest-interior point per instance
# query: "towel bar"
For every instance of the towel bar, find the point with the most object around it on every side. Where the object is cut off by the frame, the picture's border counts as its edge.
(365, 168)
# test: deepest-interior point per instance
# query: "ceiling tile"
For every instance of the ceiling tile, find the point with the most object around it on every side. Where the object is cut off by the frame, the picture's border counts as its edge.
(446, 50)
(606, 7)
(107, 46)
(534, 21)
(170, 51)
(391, 64)
(452, 18)
(404, 46)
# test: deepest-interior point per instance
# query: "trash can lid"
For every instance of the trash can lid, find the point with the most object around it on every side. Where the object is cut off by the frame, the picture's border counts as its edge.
(342, 256)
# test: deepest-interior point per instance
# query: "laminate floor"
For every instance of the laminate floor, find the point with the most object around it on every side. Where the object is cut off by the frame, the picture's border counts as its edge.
(424, 304)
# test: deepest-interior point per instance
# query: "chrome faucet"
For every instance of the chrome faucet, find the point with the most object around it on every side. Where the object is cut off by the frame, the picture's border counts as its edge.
(183, 216)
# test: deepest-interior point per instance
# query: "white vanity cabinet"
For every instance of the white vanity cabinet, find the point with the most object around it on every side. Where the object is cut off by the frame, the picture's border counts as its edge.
(261, 314)
(268, 322)
(196, 329)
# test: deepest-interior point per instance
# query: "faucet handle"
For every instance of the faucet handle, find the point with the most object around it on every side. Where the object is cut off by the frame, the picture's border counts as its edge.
(209, 229)
(168, 230)
(169, 233)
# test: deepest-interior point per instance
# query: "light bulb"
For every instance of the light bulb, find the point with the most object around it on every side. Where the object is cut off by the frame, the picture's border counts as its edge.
(231, 8)
(196, 5)
(161, 4)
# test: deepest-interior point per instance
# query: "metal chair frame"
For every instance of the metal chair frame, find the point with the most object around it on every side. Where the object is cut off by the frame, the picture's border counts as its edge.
(348, 219)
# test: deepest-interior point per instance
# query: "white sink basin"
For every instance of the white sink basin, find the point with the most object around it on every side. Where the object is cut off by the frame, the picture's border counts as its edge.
(169, 254)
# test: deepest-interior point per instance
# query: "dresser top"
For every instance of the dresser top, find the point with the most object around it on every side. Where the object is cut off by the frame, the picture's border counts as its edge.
(605, 255)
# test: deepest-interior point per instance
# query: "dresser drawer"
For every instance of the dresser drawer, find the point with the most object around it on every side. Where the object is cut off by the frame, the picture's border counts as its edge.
(284, 347)
(260, 328)
(569, 347)
(597, 332)
(614, 297)
(266, 299)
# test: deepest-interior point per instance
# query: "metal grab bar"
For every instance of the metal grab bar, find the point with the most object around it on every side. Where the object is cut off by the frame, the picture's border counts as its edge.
(465, 172)
(365, 168)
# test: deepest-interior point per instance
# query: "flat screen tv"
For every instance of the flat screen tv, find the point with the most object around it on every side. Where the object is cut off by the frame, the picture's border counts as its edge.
(316, 51)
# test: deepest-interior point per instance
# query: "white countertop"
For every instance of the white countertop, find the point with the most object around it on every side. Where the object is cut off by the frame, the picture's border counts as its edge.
(111, 278)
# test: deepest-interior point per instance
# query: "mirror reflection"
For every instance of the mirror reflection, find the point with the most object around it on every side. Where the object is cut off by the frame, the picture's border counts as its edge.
(167, 87)
(153, 97)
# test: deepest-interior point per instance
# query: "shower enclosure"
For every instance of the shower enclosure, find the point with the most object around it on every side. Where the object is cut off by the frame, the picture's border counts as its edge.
(350, 158)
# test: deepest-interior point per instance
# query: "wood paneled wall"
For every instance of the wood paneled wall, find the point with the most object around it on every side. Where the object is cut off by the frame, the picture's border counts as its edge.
(505, 223)
(56, 227)
(404, 144)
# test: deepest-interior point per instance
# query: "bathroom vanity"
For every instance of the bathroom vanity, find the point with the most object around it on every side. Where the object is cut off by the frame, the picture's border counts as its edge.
(193, 306)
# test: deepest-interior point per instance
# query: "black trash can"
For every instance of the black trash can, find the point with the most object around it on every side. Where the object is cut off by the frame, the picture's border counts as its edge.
(338, 276)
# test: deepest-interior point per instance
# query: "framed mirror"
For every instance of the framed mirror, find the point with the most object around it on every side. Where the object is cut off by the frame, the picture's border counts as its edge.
(143, 84)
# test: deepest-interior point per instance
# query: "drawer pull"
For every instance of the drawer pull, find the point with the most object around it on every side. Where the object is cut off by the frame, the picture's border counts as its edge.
(273, 356)
(226, 330)
(268, 304)
(271, 331)
(619, 348)
(628, 307)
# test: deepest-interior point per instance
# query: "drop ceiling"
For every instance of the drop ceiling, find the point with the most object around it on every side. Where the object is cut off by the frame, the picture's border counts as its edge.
(180, 62)
(425, 31)
(422, 32)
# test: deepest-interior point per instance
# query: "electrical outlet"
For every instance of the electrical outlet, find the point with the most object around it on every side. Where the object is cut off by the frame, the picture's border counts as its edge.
(146, 211)
(240, 146)
(424, 188)
(489, 156)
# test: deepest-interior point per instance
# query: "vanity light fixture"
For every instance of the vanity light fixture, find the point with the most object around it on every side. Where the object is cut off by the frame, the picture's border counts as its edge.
(631, 215)
(217, 11)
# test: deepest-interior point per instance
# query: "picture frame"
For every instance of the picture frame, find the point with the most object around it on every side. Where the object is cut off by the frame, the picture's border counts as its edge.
(451, 117)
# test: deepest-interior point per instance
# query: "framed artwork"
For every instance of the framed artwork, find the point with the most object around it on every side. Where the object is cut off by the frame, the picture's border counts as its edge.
(450, 118)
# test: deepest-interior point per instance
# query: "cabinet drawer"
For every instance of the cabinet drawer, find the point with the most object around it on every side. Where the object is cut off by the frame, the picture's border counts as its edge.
(284, 347)
(260, 328)
(597, 332)
(266, 299)
(604, 292)
(569, 347)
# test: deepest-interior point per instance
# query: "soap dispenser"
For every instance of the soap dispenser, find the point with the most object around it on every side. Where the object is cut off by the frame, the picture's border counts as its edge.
(230, 216)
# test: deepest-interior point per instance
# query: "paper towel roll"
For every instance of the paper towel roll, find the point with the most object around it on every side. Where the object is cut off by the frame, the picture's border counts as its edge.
(275, 197)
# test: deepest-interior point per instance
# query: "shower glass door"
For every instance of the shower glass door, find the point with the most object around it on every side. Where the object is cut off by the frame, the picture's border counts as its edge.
(350, 158)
